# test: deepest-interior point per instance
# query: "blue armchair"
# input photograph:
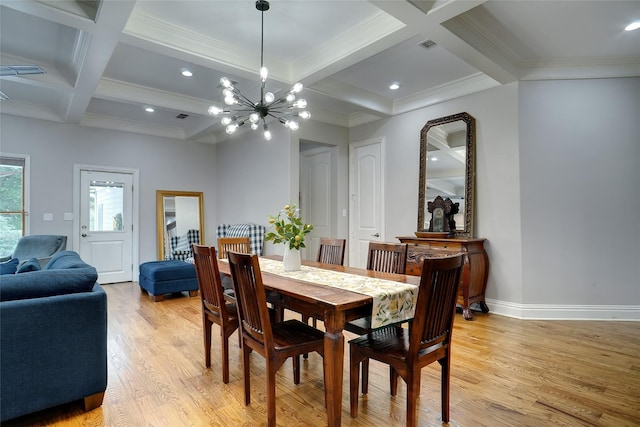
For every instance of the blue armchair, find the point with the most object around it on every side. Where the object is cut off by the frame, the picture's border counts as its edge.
(42, 247)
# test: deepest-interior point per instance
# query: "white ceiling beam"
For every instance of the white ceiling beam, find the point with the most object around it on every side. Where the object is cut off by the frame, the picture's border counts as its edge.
(111, 19)
(439, 24)
(114, 90)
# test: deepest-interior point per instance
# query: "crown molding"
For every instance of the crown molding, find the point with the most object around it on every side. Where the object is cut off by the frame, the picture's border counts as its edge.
(108, 122)
(465, 86)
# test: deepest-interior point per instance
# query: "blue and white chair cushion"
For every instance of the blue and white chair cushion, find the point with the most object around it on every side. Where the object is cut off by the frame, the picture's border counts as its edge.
(255, 233)
(181, 245)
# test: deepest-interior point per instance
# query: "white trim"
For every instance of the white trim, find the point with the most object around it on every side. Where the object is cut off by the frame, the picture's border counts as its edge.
(565, 312)
(135, 236)
(26, 185)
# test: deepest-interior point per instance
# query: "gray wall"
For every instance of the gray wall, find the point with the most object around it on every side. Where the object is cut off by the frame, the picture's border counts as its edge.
(163, 164)
(497, 207)
(557, 185)
(580, 191)
(256, 178)
(558, 191)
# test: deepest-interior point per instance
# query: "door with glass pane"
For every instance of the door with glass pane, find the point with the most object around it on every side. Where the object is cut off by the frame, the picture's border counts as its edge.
(106, 227)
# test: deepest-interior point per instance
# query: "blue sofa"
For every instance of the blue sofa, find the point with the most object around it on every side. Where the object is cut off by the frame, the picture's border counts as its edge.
(53, 337)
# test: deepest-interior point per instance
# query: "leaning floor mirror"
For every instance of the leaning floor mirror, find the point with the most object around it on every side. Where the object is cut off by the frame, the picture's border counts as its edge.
(180, 223)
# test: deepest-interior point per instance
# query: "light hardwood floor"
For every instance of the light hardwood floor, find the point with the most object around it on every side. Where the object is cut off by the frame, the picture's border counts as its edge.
(505, 372)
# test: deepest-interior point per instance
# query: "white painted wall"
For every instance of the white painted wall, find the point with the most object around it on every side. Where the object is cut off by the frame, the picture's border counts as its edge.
(580, 191)
(497, 207)
(256, 178)
(557, 185)
(163, 163)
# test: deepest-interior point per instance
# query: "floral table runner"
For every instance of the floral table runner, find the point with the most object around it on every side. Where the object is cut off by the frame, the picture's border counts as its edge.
(392, 301)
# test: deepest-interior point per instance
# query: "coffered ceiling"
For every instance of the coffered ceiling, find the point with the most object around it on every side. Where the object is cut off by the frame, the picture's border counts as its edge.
(106, 60)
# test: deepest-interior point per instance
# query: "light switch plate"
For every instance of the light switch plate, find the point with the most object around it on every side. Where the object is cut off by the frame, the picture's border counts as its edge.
(68, 216)
(47, 217)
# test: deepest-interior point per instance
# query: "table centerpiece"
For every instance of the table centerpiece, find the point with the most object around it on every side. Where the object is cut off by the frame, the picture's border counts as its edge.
(289, 229)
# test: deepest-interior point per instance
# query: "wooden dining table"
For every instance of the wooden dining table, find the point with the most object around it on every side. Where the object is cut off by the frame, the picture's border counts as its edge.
(332, 305)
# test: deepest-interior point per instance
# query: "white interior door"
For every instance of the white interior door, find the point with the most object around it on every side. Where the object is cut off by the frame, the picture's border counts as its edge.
(106, 224)
(317, 172)
(366, 201)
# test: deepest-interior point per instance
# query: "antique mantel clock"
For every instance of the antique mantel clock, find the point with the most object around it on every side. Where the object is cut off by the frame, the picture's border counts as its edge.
(442, 215)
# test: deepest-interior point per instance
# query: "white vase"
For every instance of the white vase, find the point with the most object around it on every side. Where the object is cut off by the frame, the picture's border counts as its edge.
(291, 260)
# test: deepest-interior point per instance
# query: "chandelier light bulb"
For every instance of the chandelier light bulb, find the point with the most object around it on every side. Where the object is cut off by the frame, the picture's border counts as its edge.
(225, 120)
(214, 111)
(224, 81)
(297, 88)
(230, 100)
(232, 128)
(269, 97)
(633, 26)
(267, 132)
(290, 97)
(264, 73)
(292, 125)
(254, 117)
(300, 103)
(305, 114)
(254, 126)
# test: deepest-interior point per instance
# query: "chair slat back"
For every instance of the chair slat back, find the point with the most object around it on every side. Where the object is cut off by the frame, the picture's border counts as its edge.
(331, 251)
(436, 305)
(387, 257)
(250, 296)
(208, 276)
(235, 244)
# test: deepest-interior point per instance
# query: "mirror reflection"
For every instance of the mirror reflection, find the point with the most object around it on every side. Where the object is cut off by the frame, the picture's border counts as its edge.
(446, 169)
(180, 223)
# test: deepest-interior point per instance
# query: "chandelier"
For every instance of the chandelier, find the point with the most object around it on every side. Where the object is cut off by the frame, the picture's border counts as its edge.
(239, 109)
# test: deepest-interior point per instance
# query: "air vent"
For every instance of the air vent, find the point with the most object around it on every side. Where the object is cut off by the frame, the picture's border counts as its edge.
(428, 44)
(182, 116)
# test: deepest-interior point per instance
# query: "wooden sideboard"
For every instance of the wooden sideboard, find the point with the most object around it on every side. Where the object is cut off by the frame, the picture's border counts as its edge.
(475, 271)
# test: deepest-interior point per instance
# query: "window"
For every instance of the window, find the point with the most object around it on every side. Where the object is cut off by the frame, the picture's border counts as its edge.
(13, 201)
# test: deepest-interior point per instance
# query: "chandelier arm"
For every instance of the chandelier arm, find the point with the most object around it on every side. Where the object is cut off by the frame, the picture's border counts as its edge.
(282, 109)
(244, 100)
(278, 101)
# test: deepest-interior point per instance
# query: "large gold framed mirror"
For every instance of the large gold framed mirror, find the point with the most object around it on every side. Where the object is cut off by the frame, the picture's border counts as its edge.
(447, 169)
(180, 223)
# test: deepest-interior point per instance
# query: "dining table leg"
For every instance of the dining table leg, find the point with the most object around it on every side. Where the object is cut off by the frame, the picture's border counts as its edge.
(333, 367)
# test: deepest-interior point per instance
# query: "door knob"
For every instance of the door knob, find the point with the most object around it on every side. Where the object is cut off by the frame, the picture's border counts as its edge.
(376, 235)
(84, 234)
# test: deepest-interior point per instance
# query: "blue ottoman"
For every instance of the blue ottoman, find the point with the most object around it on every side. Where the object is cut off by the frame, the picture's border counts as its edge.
(166, 277)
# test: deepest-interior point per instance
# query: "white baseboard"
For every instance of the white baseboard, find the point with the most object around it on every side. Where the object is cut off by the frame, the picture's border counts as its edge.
(565, 312)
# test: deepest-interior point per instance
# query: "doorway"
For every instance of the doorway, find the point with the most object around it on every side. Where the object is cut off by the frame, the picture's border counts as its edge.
(106, 221)
(318, 195)
(366, 198)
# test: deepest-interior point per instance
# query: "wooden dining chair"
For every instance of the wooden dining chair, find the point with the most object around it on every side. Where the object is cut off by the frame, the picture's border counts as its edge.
(235, 244)
(331, 251)
(276, 342)
(214, 307)
(407, 351)
(387, 258)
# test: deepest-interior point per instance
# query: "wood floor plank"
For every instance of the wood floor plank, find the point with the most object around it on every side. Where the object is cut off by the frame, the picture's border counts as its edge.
(505, 372)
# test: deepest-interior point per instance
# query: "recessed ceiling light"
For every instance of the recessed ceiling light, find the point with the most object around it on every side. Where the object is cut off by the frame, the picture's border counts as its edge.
(633, 26)
(186, 73)
(394, 86)
(433, 159)
(149, 109)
